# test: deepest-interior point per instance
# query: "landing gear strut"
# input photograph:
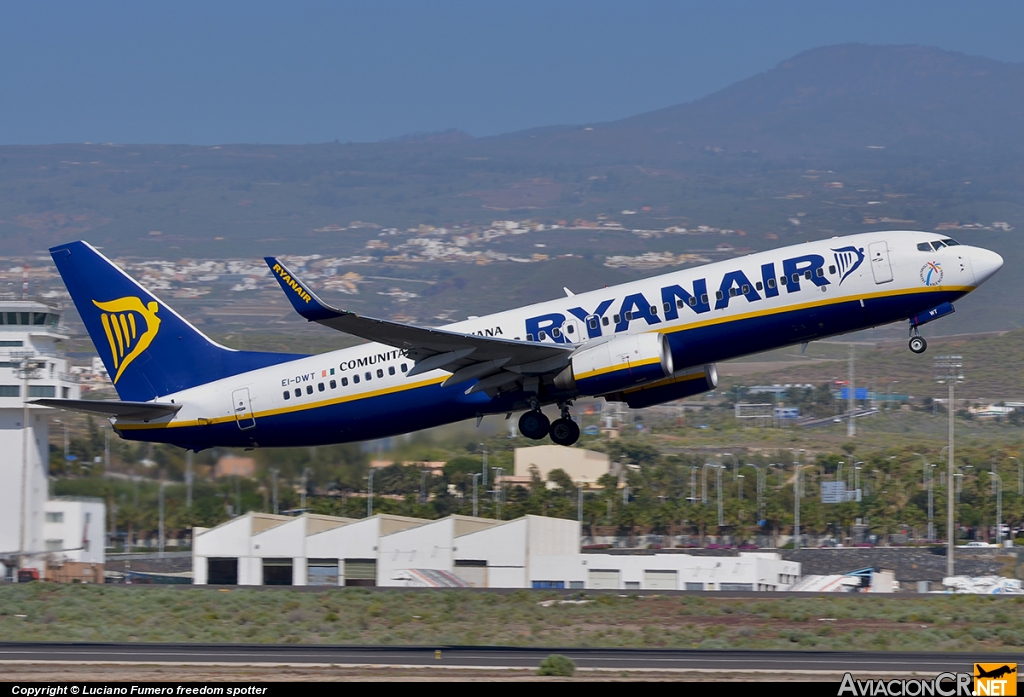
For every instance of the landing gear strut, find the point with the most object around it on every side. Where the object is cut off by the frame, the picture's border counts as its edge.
(564, 431)
(917, 342)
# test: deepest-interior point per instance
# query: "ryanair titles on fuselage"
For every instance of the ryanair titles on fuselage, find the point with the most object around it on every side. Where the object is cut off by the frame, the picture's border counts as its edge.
(734, 285)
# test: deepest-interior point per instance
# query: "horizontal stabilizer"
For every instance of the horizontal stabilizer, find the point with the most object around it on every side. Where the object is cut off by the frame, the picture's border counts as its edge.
(135, 411)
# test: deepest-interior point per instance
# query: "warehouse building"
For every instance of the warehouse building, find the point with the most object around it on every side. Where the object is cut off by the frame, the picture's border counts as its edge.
(457, 551)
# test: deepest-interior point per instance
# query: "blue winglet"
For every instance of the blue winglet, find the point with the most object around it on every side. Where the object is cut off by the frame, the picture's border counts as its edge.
(302, 298)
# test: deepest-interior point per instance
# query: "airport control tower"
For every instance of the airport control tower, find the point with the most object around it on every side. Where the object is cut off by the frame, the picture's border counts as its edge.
(31, 367)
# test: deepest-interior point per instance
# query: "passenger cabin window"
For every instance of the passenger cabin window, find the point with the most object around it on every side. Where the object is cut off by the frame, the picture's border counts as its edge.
(719, 295)
(924, 247)
(298, 392)
(604, 320)
(654, 309)
(668, 306)
(733, 292)
(556, 332)
(819, 272)
(746, 289)
(287, 394)
(309, 389)
(759, 286)
(529, 337)
(832, 269)
(693, 301)
(629, 316)
(807, 274)
(380, 372)
(570, 329)
(615, 318)
(368, 376)
(355, 379)
(704, 299)
(344, 382)
(334, 384)
(592, 323)
(796, 278)
(321, 387)
(771, 282)
(391, 370)
(405, 369)
(541, 335)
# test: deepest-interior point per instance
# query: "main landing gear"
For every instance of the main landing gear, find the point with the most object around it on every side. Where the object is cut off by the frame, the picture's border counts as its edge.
(917, 342)
(534, 425)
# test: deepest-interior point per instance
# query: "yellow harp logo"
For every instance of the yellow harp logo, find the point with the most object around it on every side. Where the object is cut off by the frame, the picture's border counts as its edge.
(126, 338)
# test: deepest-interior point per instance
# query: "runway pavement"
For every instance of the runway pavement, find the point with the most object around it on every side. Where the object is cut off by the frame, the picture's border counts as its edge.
(873, 662)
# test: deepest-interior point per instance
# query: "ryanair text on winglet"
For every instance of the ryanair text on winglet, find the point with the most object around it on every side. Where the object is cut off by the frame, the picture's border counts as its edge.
(291, 283)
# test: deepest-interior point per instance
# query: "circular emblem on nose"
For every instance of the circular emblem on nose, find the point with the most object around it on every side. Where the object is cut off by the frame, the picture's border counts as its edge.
(931, 273)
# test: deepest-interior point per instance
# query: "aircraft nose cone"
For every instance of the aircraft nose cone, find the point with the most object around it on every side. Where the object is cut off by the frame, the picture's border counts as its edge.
(985, 264)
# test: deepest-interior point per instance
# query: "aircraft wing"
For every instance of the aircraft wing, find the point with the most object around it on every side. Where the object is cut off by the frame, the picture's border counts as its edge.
(495, 361)
(135, 411)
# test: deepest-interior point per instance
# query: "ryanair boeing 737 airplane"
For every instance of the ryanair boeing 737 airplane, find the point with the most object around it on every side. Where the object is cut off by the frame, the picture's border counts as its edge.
(643, 343)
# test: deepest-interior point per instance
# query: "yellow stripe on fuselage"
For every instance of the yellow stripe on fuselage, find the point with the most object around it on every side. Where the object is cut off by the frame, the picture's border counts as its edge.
(285, 410)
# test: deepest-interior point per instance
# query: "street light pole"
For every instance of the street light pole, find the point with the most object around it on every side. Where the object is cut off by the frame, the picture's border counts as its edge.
(273, 473)
(796, 505)
(484, 471)
(949, 370)
(931, 501)
(1020, 476)
(474, 493)
(188, 471)
(997, 480)
(718, 485)
(735, 465)
(369, 494)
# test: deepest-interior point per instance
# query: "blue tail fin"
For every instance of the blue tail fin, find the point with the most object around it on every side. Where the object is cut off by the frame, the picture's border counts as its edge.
(148, 349)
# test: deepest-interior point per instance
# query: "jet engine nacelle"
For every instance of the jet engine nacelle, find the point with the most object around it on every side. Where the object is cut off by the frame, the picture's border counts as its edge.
(685, 383)
(618, 364)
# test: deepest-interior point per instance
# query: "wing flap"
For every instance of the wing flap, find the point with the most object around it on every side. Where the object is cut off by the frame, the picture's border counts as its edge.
(134, 411)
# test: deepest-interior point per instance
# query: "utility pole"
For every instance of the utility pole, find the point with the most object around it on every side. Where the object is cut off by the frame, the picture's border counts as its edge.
(949, 369)
(474, 493)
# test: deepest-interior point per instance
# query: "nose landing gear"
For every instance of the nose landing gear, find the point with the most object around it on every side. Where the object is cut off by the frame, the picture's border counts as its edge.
(917, 342)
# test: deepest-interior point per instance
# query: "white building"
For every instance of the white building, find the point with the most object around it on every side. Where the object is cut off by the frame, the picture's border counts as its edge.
(74, 529)
(586, 466)
(457, 551)
(30, 368)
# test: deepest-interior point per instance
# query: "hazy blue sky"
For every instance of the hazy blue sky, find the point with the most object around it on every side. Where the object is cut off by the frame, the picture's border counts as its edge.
(301, 72)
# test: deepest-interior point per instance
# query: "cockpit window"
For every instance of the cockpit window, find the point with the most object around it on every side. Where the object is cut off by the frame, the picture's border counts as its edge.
(924, 247)
(938, 245)
(951, 243)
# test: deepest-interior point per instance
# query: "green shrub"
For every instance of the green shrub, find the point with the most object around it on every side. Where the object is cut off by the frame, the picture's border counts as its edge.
(558, 665)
